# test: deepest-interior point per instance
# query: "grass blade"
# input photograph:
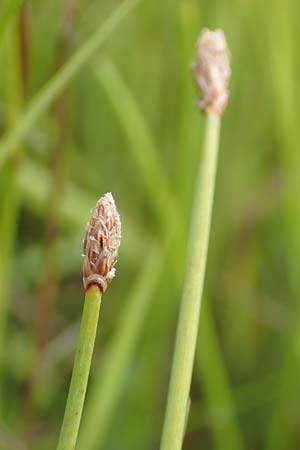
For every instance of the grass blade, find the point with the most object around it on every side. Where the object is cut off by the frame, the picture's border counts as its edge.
(279, 434)
(53, 89)
(141, 144)
(212, 372)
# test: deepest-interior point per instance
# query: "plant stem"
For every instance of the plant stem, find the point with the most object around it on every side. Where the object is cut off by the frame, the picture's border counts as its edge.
(81, 369)
(188, 125)
(109, 378)
(9, 198)
(7, 11)
(177, 404)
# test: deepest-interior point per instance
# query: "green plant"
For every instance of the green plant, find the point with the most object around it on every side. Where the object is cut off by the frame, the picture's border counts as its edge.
(105, 392)
(211, 73)
(148, 160)
(101, 244)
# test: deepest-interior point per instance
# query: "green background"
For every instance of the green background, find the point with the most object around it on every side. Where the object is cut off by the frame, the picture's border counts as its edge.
(122, 118)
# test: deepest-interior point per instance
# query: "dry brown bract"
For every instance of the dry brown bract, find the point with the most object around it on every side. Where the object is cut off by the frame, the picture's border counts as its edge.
(212, 72)
(101, 244)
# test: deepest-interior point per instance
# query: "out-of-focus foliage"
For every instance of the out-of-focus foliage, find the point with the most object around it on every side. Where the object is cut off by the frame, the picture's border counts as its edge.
(126, 123)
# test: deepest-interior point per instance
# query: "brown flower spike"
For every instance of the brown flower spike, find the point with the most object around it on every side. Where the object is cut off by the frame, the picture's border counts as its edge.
(101, 244)
(212, 72)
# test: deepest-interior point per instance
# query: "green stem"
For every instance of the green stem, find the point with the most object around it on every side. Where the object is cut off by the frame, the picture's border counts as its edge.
(109, 379)
(189, 130)
(81, 369)
(9, 198)
(8, 10)
(177, 404)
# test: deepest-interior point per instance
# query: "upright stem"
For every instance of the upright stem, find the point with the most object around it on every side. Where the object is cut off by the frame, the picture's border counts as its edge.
(81, 369)
(177, 404)
(8, 190)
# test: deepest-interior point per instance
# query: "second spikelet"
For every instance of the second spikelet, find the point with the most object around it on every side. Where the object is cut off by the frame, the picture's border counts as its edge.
(212, 72)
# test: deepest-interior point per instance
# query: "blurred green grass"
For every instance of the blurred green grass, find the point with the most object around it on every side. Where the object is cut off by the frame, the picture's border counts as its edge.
(128, 125)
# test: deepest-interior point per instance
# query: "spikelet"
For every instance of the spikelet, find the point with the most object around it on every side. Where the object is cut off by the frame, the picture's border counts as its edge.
(101, 244)
(211, 71)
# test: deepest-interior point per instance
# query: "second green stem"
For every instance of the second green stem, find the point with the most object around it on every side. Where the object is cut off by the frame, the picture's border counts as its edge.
(177, 403)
